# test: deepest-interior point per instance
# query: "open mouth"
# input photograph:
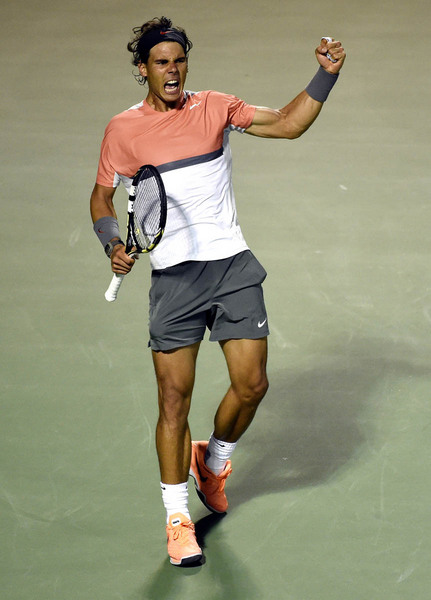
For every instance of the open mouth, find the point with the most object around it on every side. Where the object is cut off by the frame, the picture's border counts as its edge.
(172, 86)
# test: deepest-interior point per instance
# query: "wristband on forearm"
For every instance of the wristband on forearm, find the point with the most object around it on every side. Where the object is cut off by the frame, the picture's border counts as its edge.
(106, 229)
(321, 84)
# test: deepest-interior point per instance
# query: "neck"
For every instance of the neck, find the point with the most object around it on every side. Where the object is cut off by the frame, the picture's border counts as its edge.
(161, 105)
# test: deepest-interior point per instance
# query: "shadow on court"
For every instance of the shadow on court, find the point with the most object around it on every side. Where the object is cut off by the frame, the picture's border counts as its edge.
(230, 578)
(311, 424)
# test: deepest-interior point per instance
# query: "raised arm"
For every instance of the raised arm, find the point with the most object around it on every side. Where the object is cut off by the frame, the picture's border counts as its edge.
(296, 117)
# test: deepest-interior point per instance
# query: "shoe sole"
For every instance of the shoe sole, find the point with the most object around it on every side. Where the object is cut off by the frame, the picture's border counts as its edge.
(186, 560)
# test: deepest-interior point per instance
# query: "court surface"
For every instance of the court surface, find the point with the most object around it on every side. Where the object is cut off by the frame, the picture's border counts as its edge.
(330, 491)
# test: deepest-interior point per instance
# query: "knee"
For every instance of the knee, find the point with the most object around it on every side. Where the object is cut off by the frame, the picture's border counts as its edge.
(261, 388)
(254, 390)
(174, 404)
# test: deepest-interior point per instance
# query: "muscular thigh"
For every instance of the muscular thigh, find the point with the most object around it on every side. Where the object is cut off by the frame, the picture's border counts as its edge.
(175, 372)
(246, 360)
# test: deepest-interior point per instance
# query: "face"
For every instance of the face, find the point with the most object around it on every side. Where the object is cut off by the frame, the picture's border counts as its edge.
(166, 72)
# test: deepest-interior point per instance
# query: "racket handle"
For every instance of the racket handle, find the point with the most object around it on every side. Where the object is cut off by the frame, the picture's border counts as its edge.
(114, 286)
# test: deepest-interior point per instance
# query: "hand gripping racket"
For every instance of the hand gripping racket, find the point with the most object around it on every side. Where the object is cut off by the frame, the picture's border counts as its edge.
(146, 218)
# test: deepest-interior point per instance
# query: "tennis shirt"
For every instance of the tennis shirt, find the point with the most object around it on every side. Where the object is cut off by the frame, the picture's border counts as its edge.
(190, 148)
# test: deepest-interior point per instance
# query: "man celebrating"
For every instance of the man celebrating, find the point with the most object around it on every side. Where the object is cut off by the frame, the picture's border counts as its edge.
(203, 273)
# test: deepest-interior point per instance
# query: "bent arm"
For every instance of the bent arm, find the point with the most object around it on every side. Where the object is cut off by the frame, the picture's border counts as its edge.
(101, 202)
(289, 122)
(296, 117)
(102, 205)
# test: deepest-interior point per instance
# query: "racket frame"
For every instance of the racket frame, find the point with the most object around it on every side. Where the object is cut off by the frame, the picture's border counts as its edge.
(133, 248)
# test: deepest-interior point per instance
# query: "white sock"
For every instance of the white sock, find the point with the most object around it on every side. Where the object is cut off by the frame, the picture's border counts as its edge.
(175, 499)
(217, 454)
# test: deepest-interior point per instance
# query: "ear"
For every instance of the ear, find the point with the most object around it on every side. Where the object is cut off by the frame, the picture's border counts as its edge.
(142, 69)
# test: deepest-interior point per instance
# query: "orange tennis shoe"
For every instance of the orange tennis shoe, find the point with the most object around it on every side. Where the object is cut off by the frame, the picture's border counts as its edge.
(183, 548)
(209, 487)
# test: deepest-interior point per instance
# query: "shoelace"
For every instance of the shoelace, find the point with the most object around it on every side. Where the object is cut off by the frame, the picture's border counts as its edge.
(179, 533)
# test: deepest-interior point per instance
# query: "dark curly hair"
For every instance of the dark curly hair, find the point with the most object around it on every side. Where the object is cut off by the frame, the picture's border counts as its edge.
(138, 50)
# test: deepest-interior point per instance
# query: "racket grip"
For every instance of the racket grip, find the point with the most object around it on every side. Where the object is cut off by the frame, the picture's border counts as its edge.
(114, 286)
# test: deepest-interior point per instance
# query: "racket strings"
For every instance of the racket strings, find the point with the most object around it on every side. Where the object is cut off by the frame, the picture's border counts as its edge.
(147, 212)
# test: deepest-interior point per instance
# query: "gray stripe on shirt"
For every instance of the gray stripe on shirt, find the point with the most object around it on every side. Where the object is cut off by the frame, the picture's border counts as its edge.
(188, 162)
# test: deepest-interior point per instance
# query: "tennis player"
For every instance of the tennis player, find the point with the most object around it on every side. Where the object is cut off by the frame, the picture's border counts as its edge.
(204, 276)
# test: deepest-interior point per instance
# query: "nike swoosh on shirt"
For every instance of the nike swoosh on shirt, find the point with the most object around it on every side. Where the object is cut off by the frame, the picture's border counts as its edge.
(262, 324)
(196, 104)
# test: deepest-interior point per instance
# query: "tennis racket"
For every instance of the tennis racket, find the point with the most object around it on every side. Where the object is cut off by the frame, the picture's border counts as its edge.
(146, 218)
(329, 39)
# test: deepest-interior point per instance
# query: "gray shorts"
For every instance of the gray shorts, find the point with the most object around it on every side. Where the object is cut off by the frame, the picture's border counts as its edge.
(224, 295)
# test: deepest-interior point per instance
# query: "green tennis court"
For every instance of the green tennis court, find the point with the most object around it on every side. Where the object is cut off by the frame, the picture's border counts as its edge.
(330, 491)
